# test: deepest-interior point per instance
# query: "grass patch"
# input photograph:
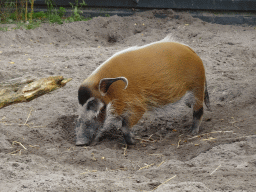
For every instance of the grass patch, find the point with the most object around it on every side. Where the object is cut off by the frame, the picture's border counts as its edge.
(3, 28)
(28, 25)
(21, 13)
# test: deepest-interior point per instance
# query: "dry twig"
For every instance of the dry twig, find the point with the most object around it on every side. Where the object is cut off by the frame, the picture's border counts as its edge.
(14, 152)
(164, 182)
(209, 139)
(147, 166)
(19, 144)
(233, 123)
(197, 136)
(92, 171)
(28, 116)
(178, 143)
(93, 157)
(160, 164)
(125, 148)
(150, 136)
(215, 169)
(157, 154)
(146, 140)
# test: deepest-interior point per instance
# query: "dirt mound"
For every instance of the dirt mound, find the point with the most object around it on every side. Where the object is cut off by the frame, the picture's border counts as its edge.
(97, 31)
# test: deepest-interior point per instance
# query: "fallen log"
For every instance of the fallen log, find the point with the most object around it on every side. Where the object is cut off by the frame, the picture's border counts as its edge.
(24, 90)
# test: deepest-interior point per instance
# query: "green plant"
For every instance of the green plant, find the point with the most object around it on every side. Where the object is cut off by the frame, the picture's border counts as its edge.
(16, 11)
(57, 15)
(52, 14)
(20, 9)
(28, 25)
(55, 18)
(62, 11)
(50, 5)
(3, 28)
(5, 10)
(33, 25)
(77, 13)
(40, 15)
(32, 10)
(13, 16)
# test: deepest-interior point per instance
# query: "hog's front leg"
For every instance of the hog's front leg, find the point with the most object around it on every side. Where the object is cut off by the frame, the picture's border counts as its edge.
(111, 121)
(128, 136)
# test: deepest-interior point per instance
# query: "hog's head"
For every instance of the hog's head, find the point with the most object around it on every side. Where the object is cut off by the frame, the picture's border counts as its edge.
(92, 110)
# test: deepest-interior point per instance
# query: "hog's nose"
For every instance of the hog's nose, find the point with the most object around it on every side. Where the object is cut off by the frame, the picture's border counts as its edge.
(82, 141)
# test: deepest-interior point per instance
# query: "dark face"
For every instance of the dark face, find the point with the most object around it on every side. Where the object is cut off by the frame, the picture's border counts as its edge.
(93, 111)
(91, 117)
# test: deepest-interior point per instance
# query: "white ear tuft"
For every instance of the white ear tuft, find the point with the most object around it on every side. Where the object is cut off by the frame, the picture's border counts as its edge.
(106, 82)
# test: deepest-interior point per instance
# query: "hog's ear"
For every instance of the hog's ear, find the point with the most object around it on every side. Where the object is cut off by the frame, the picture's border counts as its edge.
(106, 82)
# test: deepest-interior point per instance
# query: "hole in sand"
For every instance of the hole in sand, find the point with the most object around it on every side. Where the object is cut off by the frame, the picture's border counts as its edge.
(112, 39)
(66, 126)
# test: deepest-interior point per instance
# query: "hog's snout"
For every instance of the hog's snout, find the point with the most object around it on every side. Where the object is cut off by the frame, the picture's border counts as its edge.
(82, 141)
(85, 131)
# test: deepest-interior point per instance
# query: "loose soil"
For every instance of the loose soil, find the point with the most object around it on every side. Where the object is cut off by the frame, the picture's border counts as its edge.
(37, 149)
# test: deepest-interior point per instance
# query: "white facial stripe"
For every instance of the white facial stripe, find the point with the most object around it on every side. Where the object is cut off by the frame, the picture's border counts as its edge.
(87, 115)
(92, 98)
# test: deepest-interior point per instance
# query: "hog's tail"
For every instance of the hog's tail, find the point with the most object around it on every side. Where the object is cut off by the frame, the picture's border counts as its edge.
(206, 97)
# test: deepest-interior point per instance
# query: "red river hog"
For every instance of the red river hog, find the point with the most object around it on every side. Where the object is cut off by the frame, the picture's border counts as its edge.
(137, 80)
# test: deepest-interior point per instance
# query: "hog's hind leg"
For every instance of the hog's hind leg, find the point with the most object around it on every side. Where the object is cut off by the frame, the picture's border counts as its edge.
(198, 110)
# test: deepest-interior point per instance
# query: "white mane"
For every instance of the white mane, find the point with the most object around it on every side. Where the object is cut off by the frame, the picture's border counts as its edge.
(168, 38)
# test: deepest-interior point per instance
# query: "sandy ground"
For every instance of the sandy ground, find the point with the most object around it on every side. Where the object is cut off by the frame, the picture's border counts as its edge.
(41, 155)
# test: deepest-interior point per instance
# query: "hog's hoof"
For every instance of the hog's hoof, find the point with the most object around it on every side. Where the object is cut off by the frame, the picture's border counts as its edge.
(128, 139)
(82, 141)
(193, 131)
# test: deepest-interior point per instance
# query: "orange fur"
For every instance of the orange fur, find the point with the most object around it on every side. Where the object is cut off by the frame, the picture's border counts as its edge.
(158, 74)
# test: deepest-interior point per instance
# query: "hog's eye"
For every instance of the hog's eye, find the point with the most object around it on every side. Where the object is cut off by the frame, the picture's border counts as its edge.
(92, 105)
